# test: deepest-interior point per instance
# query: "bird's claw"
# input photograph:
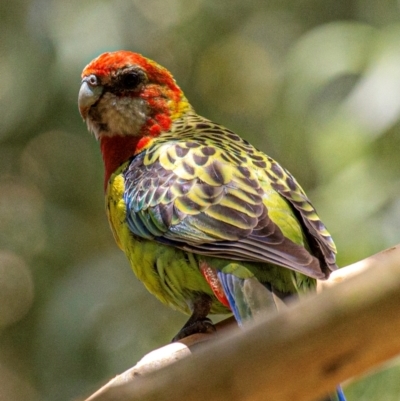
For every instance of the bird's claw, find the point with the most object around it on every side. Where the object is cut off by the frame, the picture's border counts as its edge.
(199, 326)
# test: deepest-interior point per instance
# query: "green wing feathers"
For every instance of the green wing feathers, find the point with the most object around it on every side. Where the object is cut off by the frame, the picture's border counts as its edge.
(209, 192)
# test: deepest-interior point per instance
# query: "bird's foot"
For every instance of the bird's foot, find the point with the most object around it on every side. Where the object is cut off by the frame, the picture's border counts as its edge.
(199, 326)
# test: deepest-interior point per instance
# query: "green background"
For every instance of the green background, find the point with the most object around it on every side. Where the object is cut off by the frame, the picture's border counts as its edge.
(313, 83)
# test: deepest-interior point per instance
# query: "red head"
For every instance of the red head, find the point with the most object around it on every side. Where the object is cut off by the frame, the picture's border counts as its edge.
(124, 93)
(126, 100)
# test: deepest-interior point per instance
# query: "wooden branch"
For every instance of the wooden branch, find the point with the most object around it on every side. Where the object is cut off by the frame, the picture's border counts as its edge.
(345, 273)
(166, 355)
(300, 353)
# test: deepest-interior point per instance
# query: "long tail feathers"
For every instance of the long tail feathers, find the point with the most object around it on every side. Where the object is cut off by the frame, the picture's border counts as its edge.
(248, 298)
(340, 394)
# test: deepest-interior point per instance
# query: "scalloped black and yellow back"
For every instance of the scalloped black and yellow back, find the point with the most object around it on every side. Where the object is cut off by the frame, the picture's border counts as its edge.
(203, 189)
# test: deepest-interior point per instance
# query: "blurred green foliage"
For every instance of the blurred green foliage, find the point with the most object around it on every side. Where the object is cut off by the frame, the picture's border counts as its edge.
(313, 83)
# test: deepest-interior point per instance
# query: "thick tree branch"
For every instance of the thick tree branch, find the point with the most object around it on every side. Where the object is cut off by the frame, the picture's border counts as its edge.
(300, 353)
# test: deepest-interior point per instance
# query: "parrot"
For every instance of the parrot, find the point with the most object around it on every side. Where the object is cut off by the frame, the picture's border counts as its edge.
(209, 223)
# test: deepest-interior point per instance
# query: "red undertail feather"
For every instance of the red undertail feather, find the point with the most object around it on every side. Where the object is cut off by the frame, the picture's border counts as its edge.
(212, 279)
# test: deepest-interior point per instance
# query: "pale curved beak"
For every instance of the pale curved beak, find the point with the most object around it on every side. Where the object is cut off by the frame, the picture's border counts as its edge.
(88, 96)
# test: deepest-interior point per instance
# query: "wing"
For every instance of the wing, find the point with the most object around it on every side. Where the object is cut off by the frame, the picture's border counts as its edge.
(213, 196)
(319, 239)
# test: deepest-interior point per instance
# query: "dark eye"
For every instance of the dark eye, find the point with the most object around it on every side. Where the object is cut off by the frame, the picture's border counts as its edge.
(130, 79)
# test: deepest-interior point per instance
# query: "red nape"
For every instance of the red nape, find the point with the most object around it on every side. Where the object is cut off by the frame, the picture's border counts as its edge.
(117, 149)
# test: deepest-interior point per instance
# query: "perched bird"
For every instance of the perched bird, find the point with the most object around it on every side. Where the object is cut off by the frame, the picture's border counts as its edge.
(209, 223)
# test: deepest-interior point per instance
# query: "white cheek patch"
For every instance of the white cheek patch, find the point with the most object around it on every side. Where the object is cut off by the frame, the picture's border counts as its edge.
(119, 116)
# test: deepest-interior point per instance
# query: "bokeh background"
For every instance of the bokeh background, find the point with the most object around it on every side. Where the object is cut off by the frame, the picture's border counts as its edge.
(314, 83)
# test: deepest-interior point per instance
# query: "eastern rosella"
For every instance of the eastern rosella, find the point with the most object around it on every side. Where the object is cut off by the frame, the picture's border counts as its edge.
(209, 223)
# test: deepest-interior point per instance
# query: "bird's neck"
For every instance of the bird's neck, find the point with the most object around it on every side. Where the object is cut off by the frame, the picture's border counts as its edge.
(118, 149)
